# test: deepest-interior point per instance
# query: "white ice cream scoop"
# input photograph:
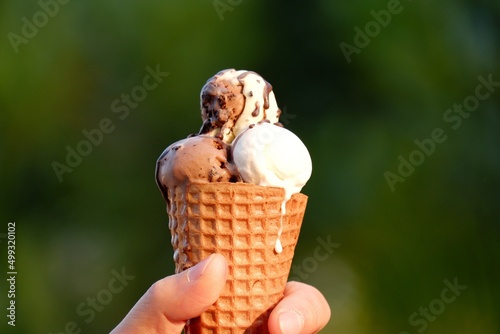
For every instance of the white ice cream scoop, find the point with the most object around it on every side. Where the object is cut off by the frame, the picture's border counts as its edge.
(270, 155)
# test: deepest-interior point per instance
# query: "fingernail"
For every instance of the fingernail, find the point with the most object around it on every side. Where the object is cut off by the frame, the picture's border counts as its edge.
(290, 322)
(197, 271)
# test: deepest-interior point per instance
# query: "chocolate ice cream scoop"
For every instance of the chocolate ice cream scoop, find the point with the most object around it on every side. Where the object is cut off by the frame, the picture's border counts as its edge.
(197, 159)
(232, 100)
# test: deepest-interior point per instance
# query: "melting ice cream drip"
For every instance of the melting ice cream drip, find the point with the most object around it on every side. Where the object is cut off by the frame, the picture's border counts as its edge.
(278, 247)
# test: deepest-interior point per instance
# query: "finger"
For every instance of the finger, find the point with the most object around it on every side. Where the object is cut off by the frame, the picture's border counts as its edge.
(303, 310)
(166, 306)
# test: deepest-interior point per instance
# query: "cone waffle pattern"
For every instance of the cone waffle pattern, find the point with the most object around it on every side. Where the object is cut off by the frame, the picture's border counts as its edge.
(241, 222)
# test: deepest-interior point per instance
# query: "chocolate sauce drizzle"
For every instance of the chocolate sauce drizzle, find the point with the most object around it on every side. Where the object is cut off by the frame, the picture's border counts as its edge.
(256, 111)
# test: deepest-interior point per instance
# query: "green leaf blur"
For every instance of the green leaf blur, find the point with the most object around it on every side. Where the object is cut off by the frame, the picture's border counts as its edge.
(397, 101)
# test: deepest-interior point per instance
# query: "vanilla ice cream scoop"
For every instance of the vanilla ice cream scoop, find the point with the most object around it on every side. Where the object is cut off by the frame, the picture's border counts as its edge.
(270, 155)
(232, 100)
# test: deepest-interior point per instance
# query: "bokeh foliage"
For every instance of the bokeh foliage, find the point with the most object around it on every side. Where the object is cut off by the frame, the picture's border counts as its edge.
(396, 247)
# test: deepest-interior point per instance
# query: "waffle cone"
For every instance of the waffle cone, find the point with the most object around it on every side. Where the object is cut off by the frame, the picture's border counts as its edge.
(241, 221)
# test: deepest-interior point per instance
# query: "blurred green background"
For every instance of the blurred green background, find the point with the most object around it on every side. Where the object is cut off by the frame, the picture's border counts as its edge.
(395, 244)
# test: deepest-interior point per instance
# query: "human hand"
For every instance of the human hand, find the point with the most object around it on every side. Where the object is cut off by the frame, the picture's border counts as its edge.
(303, 308)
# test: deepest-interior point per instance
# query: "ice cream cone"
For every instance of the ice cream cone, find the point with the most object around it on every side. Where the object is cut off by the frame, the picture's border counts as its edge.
(242, 222)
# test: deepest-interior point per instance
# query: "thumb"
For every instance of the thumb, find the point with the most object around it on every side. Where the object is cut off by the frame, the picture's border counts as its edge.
(169, 302)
